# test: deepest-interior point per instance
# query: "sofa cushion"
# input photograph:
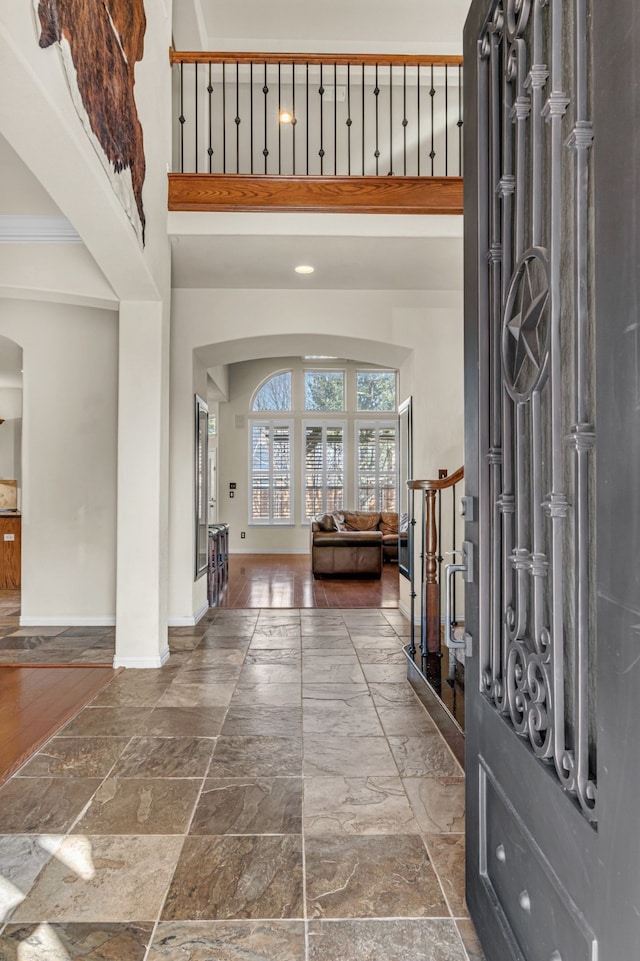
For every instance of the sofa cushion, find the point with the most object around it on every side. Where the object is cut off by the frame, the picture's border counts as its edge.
(361, 520)
(342, 539)
(389, 522)
(390, 547)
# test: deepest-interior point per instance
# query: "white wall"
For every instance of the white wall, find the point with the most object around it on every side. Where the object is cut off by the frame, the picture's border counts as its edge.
(62, 501)
(433, 377)
(69, 459)
(437, 392)
(402, 329)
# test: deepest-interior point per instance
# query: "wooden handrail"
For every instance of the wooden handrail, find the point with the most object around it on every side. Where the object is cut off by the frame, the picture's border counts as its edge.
(341, 60)
(437, 485)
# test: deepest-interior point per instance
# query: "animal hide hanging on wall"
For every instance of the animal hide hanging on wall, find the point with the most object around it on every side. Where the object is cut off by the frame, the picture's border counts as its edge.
(100, 42)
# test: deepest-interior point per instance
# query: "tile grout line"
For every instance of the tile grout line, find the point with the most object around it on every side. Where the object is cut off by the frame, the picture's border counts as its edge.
(437, 873)
(193, 812)
(305, 908)
(402, 779)
(306, 920)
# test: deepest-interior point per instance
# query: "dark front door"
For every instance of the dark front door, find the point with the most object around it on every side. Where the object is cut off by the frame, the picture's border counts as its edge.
(552, 375)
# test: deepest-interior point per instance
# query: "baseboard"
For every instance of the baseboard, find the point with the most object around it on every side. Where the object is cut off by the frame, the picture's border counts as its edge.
(199, 614)
(107, 620)
(406, 612)
(141, 663)
(189, 621)
(277, 550)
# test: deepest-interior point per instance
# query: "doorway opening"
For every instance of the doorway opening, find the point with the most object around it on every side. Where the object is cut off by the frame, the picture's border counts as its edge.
(10, 477)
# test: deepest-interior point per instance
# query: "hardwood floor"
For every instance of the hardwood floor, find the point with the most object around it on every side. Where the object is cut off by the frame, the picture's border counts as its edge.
(285, 580)
(36, 701)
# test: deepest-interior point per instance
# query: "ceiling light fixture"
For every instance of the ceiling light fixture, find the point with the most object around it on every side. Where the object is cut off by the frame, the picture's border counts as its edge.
(304, 269)
(286, 116)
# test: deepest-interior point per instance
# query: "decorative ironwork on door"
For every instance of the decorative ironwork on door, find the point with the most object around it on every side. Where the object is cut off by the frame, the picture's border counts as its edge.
(537, 636)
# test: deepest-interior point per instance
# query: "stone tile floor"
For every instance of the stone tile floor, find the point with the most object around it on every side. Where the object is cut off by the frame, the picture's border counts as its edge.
(276, 792)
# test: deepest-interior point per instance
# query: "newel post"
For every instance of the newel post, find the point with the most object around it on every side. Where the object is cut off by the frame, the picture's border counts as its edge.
(431, 590)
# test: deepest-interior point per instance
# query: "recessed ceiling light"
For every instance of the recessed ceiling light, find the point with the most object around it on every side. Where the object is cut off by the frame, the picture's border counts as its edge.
(286, 116)
(304, 269)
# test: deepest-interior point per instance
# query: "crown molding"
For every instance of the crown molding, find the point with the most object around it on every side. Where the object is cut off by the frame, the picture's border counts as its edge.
(36, 229)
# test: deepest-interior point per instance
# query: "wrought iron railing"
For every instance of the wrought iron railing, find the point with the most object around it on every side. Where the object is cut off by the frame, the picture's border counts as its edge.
(317, 115)
(217, 562)
(438, 531)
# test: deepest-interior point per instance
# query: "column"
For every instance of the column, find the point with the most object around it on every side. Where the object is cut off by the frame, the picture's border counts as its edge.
(142, 512)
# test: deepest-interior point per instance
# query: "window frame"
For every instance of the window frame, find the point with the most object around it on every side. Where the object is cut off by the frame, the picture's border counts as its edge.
(272, 422)
(376, 370)
(324, 370)
(275, 410)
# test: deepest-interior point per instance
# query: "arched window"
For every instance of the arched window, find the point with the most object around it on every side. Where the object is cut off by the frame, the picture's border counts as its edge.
(345, 417)
(274, 393)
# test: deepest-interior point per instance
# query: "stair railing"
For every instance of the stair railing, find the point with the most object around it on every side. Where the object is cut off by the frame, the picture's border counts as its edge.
(436, 518)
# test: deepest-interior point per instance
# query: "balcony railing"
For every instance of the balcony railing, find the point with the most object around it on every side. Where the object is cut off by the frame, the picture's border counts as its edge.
(316, 131)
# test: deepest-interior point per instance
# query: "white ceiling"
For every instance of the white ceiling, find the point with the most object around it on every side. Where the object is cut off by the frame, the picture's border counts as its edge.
(334, 25)
(340, 262)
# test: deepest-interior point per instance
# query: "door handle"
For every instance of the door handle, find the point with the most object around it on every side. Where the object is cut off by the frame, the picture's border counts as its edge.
(449, 572)
(452, 643)
(466, 569)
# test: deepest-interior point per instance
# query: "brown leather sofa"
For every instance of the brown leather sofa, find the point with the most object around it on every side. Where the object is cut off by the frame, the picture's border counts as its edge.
(353, 543)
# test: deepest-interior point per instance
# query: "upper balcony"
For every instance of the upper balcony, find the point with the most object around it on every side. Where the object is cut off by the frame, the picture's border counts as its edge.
(315, 133)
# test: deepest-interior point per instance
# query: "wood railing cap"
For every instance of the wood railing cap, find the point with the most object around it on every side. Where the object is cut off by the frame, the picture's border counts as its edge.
(342, 59)
(436, 485)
